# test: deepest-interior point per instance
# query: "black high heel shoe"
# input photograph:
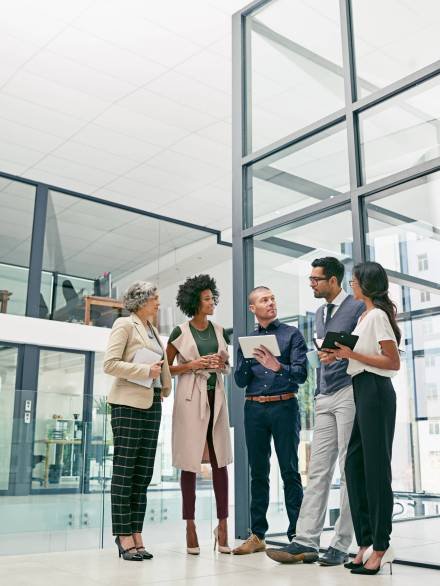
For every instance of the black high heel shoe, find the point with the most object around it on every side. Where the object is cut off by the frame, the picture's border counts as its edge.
(131, 554)
(146, 555)
(354, 566)
(387, 558)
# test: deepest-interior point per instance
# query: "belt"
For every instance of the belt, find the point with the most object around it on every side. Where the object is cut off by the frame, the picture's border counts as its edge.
(271, 398)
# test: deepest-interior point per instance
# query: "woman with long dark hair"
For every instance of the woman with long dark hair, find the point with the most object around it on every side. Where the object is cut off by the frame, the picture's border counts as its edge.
(372, 363)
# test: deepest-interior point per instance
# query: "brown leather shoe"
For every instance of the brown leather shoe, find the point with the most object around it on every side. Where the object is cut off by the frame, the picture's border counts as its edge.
(285, 557)
(253, 544)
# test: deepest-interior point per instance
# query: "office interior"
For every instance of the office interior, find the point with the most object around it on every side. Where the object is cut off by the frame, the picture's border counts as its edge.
(243, 140)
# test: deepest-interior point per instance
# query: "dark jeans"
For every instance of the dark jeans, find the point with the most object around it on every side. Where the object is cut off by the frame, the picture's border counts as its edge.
(262, 421)
(368, 461)
(219, 477)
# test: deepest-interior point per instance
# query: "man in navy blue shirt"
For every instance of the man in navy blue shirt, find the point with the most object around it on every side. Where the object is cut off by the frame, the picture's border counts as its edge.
(271, 411)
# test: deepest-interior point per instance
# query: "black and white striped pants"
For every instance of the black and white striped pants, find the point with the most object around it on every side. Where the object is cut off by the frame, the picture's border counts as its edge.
(135, 433)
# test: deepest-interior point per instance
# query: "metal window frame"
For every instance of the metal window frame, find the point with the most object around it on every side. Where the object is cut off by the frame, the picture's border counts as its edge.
(243, 158)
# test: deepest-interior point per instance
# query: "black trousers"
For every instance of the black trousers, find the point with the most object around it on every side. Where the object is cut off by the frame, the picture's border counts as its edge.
(135, 433)
(368, 461)
(262, 421)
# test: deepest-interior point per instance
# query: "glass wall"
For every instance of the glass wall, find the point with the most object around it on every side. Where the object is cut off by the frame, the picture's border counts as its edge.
(17, 211)
(392, 40)
(295, 74)
(60, 421)
(338, 107)
(92, 252)
(308, 172)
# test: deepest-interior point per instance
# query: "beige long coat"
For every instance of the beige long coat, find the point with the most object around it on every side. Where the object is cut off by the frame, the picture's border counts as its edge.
(127, 336)
(191, 409)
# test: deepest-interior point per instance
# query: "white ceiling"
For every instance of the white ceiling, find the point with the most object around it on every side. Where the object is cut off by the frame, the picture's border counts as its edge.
(131, 101)
(128, 101)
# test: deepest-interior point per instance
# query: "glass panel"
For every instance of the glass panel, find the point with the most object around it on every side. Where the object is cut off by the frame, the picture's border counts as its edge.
(17, 206)
(392, 40)
(306, 173)
(296, 62)
(94, 251)
(401, 132)
(59, 429)
(402, 234)
(8, 366)
(57, 513)
(282, 261)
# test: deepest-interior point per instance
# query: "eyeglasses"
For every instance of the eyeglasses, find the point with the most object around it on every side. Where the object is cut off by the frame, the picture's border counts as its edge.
(315, 280)
(353, 282)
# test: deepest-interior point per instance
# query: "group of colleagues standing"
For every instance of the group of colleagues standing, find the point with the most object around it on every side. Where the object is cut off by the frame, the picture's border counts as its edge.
(355, 406)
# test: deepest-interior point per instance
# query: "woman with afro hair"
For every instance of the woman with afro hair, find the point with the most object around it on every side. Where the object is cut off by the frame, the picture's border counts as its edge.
(200, 431)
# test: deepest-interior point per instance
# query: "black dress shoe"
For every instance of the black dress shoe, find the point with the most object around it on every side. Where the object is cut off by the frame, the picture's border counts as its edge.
(131, 554)
(333, 557)
(146, 555)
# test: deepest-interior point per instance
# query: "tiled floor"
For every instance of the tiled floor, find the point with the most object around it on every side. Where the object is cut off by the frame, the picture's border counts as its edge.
(171, 566)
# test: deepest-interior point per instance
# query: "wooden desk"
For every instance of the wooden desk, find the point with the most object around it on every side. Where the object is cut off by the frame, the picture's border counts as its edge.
(90, 300)
(63, 442)
(4, 298)
(56, 442)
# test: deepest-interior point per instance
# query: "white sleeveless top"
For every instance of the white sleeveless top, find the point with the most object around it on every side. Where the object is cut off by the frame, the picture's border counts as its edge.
(375, 327)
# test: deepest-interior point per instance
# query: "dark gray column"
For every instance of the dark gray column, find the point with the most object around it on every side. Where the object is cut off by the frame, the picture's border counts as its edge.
(37, 251)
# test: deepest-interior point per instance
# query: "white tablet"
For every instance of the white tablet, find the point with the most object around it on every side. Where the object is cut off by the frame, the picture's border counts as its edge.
(250, 343)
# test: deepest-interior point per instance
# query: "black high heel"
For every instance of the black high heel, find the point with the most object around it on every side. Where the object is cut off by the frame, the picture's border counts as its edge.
(387, 558)
(131, 554)
(146, 555)
(354, 566)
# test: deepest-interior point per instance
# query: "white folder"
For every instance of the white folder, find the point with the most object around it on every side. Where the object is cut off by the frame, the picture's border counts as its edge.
(145, 356)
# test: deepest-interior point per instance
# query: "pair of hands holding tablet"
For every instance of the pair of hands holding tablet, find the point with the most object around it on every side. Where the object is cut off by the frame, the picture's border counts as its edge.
(336, 346)
(265, 353)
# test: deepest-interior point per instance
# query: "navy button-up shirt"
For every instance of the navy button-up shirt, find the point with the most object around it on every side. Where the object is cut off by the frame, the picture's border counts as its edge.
(260, 380)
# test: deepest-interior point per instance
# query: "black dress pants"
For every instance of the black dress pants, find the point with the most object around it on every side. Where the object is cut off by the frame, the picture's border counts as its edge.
(368, 461)
(281, 421)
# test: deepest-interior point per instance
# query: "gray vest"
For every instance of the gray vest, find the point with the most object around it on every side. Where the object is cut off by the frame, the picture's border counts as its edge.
(333, 377)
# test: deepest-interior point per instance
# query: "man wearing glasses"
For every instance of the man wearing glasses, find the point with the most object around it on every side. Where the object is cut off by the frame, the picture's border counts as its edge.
(334, 415)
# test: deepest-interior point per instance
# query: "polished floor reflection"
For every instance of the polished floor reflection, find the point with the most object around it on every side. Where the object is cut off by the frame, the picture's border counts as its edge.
(171, 566)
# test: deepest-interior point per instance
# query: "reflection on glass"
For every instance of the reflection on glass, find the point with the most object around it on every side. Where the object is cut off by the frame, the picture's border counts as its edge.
(296, 73)
(392, 40)
(282, 262)
(8, 365)
(60, 421)
(402, 234)
(17, 209)
(401, 132)
(314, 170)
(94, 251)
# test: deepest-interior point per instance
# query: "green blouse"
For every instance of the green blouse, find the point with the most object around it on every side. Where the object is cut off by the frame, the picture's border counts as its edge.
(206, 342)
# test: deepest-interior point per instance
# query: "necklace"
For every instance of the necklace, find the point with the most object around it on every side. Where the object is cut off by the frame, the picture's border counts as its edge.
(203, 338)
(149, 331)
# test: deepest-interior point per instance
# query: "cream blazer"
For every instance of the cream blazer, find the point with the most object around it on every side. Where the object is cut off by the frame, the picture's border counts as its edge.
(126, 337)
(191, 408)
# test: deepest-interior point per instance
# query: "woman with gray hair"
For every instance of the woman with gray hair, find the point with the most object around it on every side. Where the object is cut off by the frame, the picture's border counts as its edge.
(135, 356)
